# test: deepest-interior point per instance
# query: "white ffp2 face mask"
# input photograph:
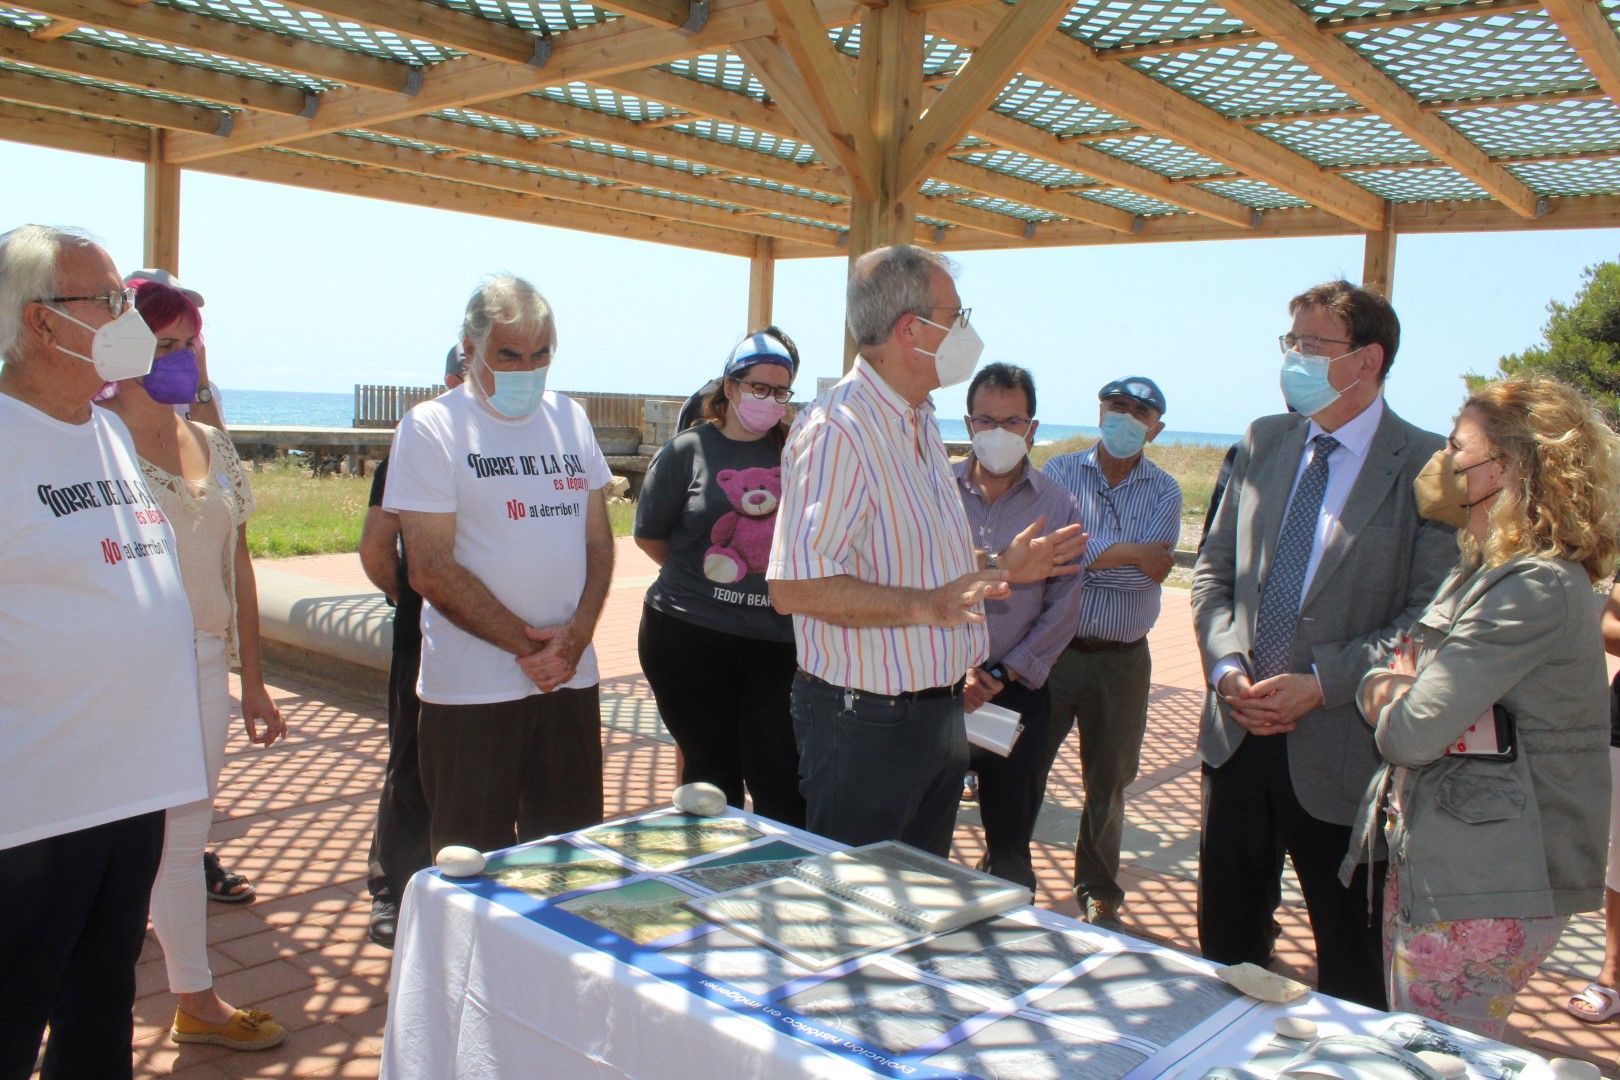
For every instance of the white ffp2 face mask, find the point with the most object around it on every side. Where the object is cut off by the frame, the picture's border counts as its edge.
(957, 355)
(999, 450)
(121, 349)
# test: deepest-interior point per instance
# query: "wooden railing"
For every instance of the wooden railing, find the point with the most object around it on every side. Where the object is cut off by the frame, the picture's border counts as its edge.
(385, 406)
(627, 419)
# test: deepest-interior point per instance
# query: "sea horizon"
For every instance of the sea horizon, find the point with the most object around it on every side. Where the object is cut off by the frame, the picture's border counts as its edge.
(305, 408)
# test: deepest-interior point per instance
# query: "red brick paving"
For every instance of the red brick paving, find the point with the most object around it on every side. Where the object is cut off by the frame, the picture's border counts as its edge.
(298, 819)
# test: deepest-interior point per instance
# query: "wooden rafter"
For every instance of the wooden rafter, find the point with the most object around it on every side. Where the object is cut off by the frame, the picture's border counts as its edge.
(65, 131)
(110, 65)
(174, 26)
(823, 88)
(1586, 26)
(439, 25)
(774, 67)
(669, 14)
(970, 92)
(999, 186)
(1295, 31)
(41, 90)
(1074, 67)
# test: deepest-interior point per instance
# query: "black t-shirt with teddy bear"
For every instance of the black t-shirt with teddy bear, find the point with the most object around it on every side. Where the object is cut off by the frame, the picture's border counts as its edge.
(714, 499)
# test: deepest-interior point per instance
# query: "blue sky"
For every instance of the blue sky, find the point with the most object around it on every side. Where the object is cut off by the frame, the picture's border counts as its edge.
(308, 291)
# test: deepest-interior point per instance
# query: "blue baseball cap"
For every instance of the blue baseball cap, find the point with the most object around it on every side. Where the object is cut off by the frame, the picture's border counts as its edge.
(1136, 388)
(759, 349)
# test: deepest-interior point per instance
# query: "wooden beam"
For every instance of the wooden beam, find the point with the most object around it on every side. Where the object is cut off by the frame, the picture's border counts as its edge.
(113, 65)
(576, 56)
(477, 140)
(702, 99)
(161, 232)
(28, 89)
(519, 181)
(440, 25)
(669, 14)
(774, 67)
(66, 131)
(1001, 186)
(1378, 261)
(975, 86)
(297, 170)
(1294, 30)
(761, 283)
(802, 32)
(1074, 67)
(175, 26)
(1586, 27)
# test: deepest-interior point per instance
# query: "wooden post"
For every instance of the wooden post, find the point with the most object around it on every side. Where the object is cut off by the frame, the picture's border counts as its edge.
(761, 283)
(1378, 261)
(891, 82)
(162, 232)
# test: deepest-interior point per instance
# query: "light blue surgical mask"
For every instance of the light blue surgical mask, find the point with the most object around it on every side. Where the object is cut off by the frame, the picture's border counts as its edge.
(1123, 435)
(1304, 381)
(517, 393)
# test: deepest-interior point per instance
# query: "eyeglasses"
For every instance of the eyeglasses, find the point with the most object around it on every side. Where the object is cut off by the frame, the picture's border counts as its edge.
(1015, 424)
(1309, 344)
(961, 313)
(117, 302)
(782, 394)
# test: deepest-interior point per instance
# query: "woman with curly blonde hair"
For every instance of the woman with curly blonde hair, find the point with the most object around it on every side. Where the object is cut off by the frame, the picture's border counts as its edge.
(1493, 718)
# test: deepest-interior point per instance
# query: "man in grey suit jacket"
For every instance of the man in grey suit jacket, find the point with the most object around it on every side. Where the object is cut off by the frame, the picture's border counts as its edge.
(1329, 529)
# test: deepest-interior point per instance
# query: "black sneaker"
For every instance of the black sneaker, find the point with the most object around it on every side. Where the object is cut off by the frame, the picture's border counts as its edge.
(384, 923)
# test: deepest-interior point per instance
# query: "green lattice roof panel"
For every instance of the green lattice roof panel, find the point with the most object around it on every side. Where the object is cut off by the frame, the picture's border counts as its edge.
(1562, 127)
(18, 19)
(938, 189)
(604, 100)
(723, 69)
(1357, 140)
(1417, 185)
(1053, 110)
(1160, 155)
(596, 146)
(723, 131)
(1132, 202)
(1008, 208)
(1245, 80)
(787, 189)
(1255, 193)
(114, 88)
(1481, 57)
(1596, 177)
(538, 170)
(395, 140)
(942, 56)
(1112, 23)
(494, 123)
(547, 16)
(1024, 167)
(309, 26)
(794, 219)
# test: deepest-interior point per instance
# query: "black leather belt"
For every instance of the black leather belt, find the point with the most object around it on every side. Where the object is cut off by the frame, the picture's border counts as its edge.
(932, 692)
(1091, 644)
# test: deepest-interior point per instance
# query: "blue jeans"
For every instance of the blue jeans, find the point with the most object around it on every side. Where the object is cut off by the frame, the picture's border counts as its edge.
(879, 768)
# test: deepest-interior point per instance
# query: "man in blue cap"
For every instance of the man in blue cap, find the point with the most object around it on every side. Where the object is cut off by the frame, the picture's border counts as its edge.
(1132, 509)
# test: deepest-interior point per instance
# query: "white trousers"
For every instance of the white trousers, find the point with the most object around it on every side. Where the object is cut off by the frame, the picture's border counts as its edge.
(179, 896)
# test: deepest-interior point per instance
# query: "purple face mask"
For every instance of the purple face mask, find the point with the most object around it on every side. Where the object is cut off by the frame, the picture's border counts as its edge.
(173, 378)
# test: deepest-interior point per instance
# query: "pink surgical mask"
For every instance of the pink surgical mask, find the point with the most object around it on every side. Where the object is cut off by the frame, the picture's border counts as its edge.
(759, 415)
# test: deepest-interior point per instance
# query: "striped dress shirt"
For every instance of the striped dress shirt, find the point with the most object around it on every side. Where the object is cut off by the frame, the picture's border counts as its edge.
(1120, 603)
(1030, 629)
(868, 493)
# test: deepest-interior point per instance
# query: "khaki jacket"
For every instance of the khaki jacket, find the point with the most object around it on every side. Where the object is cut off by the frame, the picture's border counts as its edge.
(1498, 839)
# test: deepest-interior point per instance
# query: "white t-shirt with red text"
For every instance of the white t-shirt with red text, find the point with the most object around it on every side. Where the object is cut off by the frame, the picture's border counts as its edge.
(98, 673)
(520, 490)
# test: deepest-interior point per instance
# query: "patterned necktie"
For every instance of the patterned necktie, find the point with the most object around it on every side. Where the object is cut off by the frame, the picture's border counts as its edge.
(1279, 602)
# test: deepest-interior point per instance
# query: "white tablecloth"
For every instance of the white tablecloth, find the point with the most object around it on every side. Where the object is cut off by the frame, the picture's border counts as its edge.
(481, 990)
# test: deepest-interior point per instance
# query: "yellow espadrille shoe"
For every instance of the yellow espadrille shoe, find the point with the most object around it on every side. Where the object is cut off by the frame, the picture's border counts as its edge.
(247, 1029)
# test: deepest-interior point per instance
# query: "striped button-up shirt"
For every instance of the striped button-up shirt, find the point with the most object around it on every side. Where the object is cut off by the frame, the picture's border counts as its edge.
(1119, 603)
(867, 492)
(1030, 629)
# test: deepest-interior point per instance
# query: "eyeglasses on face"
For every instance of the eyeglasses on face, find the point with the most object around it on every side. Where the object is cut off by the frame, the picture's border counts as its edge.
(782, 394)
(1308, 344)
(117, 301)
(1018, 425)
(962, 313)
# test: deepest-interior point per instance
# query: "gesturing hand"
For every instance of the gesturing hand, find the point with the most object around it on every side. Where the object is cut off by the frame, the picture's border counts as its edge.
(958, 601)
(1033, 557)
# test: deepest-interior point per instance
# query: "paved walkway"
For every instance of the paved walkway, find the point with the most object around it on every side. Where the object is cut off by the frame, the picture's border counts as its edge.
(297, 819)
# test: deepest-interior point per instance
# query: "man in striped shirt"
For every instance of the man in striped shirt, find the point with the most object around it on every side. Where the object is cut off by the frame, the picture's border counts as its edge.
(1132, 509)
(873, 558)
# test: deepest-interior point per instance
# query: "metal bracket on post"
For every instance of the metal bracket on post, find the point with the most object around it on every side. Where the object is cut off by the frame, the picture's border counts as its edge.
(542, 52)
(697, 16)
(1029, 230)
(312, 105)
(227, 121)
(413, 83)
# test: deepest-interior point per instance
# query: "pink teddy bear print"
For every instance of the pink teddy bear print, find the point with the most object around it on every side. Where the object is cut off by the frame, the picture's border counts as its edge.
(741, 539)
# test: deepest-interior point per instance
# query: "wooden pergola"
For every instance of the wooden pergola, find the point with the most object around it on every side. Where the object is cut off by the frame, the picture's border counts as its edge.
(776, 129)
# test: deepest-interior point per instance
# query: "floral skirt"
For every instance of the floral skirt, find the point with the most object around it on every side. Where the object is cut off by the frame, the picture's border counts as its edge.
(1465, 973)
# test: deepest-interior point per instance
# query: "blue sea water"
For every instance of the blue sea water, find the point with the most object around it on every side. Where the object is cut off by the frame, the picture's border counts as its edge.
(284, 408)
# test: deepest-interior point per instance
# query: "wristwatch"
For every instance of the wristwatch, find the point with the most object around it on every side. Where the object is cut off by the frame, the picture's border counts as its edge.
(205, 396)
